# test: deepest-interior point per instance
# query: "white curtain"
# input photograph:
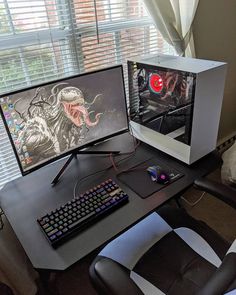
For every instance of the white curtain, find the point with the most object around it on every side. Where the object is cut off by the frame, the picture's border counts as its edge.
(173, 18)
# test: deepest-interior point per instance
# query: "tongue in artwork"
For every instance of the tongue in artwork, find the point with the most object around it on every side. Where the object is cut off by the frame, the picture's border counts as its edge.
(75, 107)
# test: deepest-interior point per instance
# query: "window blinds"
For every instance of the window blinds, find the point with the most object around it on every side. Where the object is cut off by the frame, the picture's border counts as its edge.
(43, 40)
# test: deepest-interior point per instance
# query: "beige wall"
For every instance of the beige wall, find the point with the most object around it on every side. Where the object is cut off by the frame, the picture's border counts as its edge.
(214, 30)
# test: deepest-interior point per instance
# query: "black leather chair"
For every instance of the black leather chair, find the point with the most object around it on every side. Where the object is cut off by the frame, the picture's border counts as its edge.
(169, 252)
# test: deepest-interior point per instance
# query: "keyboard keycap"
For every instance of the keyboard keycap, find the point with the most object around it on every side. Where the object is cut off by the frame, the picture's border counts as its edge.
(80, 221)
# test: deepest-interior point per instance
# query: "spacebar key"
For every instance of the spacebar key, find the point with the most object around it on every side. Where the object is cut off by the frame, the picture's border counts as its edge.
(80, 221)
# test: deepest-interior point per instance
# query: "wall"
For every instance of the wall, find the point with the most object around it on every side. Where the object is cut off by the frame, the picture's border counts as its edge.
(214, 31)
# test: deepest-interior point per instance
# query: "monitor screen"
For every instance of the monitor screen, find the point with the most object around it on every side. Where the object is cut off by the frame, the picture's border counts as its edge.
(48, 121)
(162, 99)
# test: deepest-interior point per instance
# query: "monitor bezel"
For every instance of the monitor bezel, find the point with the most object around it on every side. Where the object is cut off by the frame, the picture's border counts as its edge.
(73, 150)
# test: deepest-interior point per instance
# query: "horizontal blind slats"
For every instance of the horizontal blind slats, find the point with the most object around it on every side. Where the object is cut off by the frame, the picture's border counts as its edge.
(44, 40)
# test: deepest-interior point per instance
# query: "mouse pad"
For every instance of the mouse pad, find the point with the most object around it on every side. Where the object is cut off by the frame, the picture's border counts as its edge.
(138, 179)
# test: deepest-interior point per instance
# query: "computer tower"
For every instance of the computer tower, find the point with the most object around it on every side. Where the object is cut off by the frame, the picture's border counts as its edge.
(175, 104)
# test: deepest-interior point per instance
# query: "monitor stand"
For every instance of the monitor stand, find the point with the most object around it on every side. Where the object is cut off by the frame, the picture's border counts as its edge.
(74, 155)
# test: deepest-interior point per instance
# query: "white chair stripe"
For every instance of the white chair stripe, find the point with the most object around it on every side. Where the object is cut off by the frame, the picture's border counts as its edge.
(145, 286)
(232, 248)
(130, 246)
(233, 292)
(198, 244)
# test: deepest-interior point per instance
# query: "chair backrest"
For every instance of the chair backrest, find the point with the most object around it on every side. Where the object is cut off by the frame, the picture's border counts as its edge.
(224, 279)
(228, 170)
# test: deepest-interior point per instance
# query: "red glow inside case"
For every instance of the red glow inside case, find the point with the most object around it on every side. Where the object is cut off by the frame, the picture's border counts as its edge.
(155, 83)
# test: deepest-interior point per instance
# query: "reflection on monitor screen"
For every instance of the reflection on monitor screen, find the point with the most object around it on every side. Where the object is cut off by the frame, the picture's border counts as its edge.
(162, 99)
(50, 121)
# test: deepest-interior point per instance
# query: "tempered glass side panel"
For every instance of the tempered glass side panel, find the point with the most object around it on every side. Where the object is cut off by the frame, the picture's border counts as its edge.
(162, 99)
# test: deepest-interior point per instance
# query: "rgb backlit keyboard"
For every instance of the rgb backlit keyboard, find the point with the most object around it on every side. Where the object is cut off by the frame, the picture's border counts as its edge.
(61, 224)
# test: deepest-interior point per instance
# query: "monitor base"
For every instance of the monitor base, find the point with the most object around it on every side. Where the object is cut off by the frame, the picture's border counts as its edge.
(74, 155)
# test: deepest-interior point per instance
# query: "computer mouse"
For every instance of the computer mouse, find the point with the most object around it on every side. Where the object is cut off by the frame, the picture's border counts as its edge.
(158, 175)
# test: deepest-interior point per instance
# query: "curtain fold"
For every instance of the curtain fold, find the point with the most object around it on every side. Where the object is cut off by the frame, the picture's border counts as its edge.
(173, 18)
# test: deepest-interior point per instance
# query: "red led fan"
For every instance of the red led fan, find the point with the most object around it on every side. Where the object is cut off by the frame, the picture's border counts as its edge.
(155, 83)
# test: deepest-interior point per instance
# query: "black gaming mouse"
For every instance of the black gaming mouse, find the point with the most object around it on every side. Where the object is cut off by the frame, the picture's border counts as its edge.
(158, 175)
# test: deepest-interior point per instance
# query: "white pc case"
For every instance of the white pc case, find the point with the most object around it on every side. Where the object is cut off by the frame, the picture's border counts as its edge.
(180, 114)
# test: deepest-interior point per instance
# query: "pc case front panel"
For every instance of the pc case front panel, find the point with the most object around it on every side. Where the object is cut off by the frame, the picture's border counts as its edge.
(207, 110)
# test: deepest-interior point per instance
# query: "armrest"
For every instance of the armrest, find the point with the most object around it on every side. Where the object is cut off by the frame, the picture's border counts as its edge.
(111, 278)
(223, 280)
(219, 190)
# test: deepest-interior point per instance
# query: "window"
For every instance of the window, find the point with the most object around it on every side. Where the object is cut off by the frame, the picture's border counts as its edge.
(43, 40)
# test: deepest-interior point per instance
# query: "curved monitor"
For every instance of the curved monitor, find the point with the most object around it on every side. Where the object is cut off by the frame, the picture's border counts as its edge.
(52, 120)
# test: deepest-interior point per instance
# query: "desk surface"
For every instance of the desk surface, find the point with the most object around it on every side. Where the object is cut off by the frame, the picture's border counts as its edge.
(27, 198)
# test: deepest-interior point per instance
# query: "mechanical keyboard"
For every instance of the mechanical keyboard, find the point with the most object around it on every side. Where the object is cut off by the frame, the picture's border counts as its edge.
(61, 224)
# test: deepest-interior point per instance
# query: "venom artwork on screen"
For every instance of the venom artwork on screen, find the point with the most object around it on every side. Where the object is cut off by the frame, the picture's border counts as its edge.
(49, 120)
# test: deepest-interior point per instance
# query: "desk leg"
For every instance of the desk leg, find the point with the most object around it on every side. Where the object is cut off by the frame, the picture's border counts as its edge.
(178, 202)
(47, 283)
